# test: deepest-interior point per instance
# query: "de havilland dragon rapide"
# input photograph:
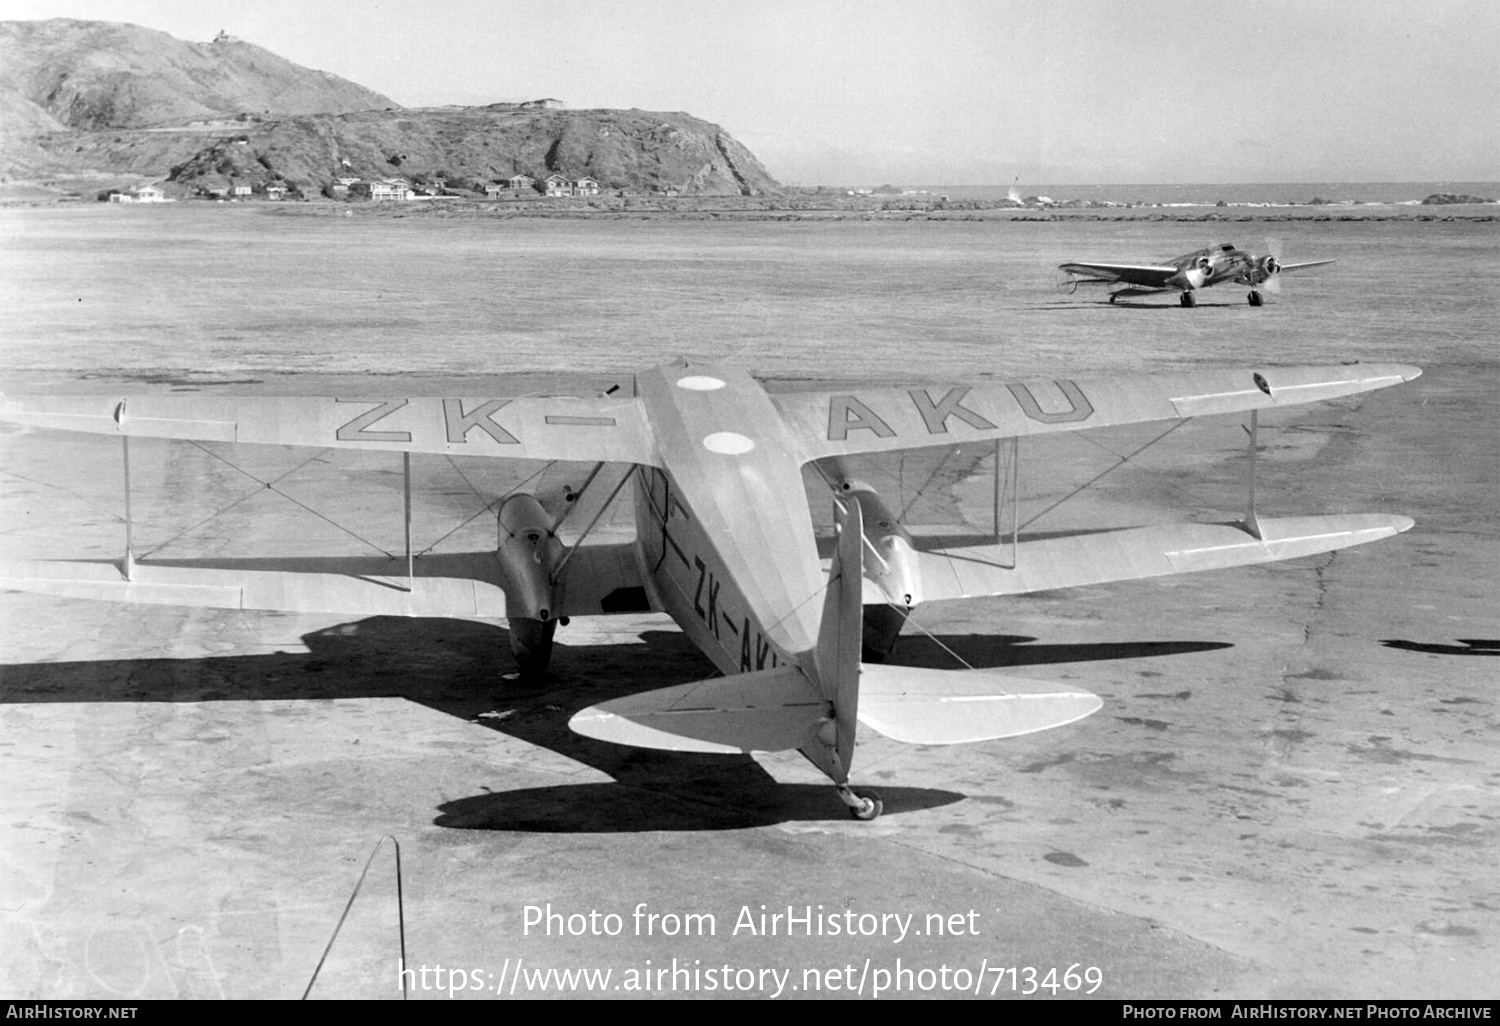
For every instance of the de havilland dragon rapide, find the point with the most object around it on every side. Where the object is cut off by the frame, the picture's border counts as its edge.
(724, 540)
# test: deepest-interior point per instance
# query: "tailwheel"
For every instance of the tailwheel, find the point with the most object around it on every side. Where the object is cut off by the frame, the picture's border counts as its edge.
(1256, 299)
(863, 803)
(1188, 299)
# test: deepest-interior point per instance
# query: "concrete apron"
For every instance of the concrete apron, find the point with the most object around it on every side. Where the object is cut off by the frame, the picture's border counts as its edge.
(191, 795)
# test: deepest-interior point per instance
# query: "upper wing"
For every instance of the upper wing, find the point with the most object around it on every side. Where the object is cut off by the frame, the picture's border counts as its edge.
(595, 429)
(1136, 274)
(865, 420)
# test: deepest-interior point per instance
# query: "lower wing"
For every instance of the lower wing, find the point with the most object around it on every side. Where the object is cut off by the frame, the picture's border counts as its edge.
(1074, 560)
(600, 579)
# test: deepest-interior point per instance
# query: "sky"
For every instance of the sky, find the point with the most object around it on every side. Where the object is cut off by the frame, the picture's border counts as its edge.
(940, 92)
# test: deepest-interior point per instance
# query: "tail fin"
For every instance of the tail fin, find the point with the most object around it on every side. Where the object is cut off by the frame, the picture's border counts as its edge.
(835, 658)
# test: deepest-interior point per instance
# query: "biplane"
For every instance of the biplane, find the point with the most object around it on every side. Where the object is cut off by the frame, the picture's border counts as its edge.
(1186, 274)
(723, 537)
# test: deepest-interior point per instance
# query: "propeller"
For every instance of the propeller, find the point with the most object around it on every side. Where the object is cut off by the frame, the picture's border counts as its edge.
(1201, 271)
(1271, 265)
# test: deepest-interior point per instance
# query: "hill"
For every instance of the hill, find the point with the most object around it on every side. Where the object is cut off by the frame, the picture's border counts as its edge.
(638, 151)
(98, 98)
(64, 74)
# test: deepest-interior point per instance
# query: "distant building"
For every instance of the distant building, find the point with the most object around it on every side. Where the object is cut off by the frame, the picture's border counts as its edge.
(585, 187)
(276, 192)
(547, 103)
(557, 185)
(140, 194)
(520, 183)
(381, 190)
(243, 190)
(493, 189)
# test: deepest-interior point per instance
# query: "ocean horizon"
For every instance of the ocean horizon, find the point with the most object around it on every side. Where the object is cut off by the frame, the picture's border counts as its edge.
(1210, 194)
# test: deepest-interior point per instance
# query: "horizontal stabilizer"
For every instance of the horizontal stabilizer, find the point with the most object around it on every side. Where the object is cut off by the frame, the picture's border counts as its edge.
(923, 706)
(765, 711)
(1073, 560)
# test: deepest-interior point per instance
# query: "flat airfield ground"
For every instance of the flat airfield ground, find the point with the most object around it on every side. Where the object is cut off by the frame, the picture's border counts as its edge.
(1290, 792)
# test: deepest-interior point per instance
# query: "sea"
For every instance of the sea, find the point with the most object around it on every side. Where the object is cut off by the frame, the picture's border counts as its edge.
(1259, 194)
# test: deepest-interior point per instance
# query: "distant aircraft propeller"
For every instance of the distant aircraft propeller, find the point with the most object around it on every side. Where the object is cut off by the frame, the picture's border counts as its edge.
(1271, 265)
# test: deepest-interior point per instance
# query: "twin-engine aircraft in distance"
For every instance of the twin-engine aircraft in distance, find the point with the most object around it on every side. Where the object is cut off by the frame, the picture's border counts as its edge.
(1186, 274)
(723, 537)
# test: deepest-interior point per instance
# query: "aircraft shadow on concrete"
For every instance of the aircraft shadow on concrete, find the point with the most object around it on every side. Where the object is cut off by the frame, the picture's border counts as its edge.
(1138, 304)
(1465, 647)
(996, 651)
(457, 667)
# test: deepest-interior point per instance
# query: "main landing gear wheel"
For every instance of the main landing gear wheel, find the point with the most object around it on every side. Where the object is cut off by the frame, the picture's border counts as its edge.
(863, 803)
(1256, 299)
(1188, 299)
(531, 644)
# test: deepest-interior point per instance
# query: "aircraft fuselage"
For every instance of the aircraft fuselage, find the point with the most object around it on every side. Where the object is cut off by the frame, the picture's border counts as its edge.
(1222, 263)
(725, 531)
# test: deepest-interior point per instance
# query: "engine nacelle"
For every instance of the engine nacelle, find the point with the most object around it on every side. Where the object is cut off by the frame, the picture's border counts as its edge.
(528, 553)
(894, 571)
(1268, 267)
(1192, 277)
(896, 568)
